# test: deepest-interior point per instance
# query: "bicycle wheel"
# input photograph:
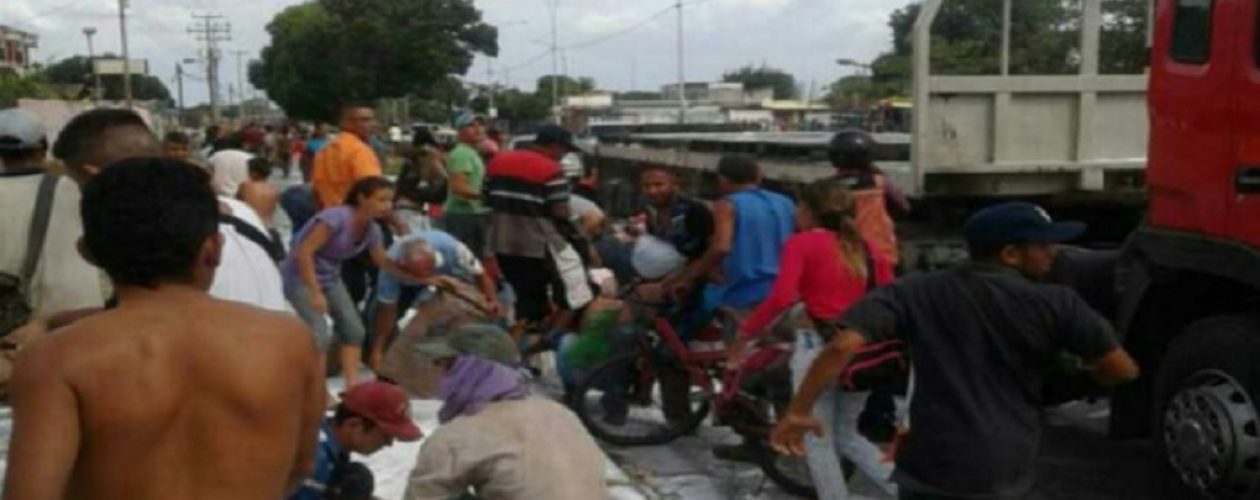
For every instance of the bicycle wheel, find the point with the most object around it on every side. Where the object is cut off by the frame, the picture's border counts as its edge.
(791, 474)
(622, 402)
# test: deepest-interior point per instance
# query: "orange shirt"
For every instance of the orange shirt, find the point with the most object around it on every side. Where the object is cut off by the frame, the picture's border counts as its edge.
(339, 165)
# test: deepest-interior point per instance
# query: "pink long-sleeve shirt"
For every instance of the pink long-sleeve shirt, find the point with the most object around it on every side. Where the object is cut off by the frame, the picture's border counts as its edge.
(810, 270)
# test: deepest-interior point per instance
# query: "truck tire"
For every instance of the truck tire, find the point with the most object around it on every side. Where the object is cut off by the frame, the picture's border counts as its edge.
(1205, 423)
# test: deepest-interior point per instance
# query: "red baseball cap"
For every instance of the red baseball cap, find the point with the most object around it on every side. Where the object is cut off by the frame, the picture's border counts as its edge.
(385, 405)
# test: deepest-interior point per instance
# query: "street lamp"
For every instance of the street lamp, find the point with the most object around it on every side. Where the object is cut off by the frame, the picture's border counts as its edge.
(554, 7)
(89, 32)
(862, 67)
(851, 62)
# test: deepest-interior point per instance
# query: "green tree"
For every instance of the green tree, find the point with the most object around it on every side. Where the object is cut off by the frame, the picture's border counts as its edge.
(568, 86)
(523, 107)
(14, 87)
(439, 102)
(77, 70)
(328, 51)
(480, 104)
(850, 91)
(1045, 39)
(758, 77)
(1123, 37)
(639, 95)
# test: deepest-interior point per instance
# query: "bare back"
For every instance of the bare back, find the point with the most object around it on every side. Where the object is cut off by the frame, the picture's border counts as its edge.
(181, 396)
(262, 197)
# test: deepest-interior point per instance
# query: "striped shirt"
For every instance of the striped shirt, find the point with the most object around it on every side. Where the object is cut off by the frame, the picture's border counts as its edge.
(521, 188)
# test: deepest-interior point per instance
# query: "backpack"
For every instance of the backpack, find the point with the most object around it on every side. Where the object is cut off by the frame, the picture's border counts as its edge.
(883, 366)
(269, 244)
(872, 217)
(15, 290)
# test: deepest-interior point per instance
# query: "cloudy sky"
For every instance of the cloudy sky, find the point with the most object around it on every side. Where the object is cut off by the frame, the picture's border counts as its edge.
(622, 44)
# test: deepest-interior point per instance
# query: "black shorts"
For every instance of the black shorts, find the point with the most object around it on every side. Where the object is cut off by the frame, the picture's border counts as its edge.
(537, 284)
(533, 281)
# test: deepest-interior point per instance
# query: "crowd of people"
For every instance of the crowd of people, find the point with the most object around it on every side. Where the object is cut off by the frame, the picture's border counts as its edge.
(160, 321)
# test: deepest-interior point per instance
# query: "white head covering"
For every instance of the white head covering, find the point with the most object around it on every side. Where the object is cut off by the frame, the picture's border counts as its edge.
(229, 169)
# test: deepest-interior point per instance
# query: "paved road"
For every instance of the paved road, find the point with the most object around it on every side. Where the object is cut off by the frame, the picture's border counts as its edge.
(1077, 462)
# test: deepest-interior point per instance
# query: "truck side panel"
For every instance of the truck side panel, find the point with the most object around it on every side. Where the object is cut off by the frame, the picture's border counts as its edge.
(1190, 175)
(1244, 219)
(1025, 134)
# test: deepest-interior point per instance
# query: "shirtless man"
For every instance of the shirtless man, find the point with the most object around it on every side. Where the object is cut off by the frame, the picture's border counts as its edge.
(155, 398)
(259, 193)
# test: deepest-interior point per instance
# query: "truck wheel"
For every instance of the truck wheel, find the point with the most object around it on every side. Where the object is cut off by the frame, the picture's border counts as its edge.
(1205, 423)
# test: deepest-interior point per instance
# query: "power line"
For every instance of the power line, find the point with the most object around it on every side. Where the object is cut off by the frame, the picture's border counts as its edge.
(212, 29)
(528, 62)
(50, 11)
(602, 38)
(623, 31)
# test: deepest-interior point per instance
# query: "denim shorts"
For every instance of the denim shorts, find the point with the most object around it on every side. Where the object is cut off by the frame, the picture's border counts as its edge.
(346, 322)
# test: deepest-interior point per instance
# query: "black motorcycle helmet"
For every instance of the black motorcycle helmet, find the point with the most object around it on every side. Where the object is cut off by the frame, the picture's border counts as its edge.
(851, 148)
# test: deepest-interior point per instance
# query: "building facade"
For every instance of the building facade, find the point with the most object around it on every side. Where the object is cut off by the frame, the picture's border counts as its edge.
(15, 49)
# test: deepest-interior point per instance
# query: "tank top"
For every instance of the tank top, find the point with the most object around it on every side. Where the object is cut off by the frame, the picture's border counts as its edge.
(763, 222)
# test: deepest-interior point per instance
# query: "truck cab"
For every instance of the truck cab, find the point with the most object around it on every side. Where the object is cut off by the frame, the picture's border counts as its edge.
(1189, 278)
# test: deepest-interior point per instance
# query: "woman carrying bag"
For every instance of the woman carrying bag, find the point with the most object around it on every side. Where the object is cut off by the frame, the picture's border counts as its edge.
(828, 266)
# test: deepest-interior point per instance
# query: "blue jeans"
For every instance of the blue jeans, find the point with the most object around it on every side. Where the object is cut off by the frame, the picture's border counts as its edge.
(839, 411)
(347, 323)
(569, 375)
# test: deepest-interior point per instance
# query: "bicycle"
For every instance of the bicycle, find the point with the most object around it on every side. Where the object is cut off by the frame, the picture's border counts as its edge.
(624, 401)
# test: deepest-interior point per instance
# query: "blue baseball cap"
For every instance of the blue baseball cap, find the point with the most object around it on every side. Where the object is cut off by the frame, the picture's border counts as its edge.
(1018, 222)
(467, 117)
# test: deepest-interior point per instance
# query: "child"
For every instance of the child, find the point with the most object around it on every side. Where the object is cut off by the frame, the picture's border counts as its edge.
(176, 145)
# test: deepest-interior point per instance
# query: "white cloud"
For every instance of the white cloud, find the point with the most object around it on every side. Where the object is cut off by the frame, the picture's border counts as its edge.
(800, 36)
(754, 4)
(598, 23)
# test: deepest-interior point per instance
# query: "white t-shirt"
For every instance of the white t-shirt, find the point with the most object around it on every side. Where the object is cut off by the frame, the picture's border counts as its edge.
(246, 273)
(63, 280)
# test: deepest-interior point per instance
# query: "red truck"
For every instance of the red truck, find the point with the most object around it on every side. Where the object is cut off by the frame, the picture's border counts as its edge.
(1188, 280)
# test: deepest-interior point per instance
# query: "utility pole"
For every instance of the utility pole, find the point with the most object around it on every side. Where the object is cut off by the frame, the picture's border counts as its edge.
(490, 71)
(89, 32)
(554, 5)
(240, 82)
(126, 54)
(564, 70)
(490, 85)
(179, 85)
(211, 29)
(682, 80)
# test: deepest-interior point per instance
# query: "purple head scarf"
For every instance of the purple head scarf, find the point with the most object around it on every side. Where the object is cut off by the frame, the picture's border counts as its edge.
(473, 382)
